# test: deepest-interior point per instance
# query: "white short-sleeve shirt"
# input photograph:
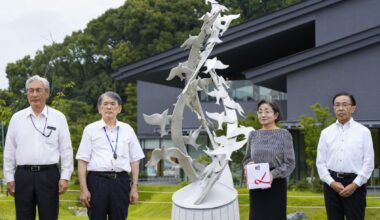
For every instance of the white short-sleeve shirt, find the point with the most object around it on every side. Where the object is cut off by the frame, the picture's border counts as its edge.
(95, 148)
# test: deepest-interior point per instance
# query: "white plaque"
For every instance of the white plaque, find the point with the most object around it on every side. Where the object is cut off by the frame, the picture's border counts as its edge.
(258, 176)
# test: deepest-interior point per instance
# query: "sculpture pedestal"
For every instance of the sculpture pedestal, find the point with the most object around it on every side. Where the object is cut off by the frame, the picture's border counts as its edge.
(221, 203)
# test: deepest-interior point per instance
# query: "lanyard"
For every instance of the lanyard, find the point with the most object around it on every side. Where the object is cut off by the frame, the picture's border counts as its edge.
(109, 141)
(43, 132)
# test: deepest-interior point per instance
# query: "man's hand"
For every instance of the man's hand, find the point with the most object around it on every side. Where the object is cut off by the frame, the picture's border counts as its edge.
(337, 186)
(85, 198)
(133, 195)
(62, 186)
(348, 190)
(11, 187)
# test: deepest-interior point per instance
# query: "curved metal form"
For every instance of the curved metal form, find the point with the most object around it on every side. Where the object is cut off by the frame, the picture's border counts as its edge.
(203, 178)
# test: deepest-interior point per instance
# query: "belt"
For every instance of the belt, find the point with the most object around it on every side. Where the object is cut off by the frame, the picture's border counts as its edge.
(341, 175)
(37, 168)
(108, 174)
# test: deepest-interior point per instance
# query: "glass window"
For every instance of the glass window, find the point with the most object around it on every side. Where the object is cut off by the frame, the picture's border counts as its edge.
(166, 143)
(244, 90)
(151, 143)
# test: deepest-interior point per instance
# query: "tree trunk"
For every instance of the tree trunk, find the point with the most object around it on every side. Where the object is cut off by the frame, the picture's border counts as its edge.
(312, 170)
(242, 176)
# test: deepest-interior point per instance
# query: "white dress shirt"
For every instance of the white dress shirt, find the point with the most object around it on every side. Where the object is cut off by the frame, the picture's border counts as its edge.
(345, 148)
(25, 145)
(96, 149)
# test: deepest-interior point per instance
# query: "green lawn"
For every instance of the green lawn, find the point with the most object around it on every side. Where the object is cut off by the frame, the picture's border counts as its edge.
(155, 204)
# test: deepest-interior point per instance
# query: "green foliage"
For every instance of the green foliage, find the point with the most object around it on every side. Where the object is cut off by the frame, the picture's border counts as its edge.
(304, 184)
(121, 54)
(251, 120)
(311, 129)
(78, 114)
(17, 73)
(5, 109)
(136, 30)
(129, 114)
(203, 159)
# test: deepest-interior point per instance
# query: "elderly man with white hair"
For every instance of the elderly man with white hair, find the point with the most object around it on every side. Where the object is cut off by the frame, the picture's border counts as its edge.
(38, 139)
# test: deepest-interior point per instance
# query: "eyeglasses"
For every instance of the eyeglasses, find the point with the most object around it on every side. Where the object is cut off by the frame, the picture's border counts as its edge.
(37, 90)
(112, 104)
(344, 105)
(264, 112)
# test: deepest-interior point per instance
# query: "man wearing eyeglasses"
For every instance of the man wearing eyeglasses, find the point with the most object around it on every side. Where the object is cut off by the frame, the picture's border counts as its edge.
(345, 161)
(37, 140)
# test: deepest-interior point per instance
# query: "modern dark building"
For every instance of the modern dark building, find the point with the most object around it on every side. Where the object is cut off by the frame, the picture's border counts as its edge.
(297, 56)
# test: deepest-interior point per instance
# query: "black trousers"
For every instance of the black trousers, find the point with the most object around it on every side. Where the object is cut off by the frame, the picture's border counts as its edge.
(352, 207)
(109, 197)
(37, 188)
(268, 204)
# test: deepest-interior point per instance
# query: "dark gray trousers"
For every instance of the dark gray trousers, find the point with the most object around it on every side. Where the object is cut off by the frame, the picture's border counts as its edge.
(37, 189)
(352, 207)
(109, 197)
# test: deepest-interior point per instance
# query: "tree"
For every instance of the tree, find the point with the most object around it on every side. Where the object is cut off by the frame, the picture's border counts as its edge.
(311, 129)
(129, 114)
(5, 115)
(5, 106)
(78, 114)
(136, 30)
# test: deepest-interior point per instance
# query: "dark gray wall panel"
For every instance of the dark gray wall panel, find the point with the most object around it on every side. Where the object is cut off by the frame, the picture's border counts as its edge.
(357, 73)
(346, 18)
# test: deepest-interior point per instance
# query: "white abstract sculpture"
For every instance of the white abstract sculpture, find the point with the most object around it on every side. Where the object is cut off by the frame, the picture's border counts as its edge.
(211, 187)
(158, 119)
(192, 138)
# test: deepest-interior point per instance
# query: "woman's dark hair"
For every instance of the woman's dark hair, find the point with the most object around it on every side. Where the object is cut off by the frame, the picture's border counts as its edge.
(274, 107)
(353, 102)
(112, 95)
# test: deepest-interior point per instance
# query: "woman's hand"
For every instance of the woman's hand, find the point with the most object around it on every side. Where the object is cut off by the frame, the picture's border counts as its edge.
(245, 167)
(270, 180)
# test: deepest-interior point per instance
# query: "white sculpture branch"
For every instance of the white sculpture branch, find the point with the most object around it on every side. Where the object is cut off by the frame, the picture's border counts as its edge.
(203, 178)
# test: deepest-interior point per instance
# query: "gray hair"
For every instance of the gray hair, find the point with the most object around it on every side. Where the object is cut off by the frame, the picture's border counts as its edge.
(38, 78)
(112, 95)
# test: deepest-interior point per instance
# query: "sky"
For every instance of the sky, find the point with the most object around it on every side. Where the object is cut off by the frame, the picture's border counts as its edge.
(27, 25)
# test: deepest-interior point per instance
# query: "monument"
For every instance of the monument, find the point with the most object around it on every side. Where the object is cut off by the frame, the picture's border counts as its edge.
(211, 193)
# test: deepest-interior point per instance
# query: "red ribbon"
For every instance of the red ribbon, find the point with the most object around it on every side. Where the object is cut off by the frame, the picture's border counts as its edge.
(262, 180)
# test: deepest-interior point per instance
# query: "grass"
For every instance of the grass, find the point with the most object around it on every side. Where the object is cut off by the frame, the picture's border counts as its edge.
(155, 204)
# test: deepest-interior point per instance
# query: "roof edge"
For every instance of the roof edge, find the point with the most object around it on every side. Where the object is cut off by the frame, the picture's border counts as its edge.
(312, 56)
(232, 34)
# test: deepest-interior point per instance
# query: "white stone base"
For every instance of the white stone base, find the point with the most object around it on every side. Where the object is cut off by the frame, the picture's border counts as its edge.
(221, 203)
(227, 212)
